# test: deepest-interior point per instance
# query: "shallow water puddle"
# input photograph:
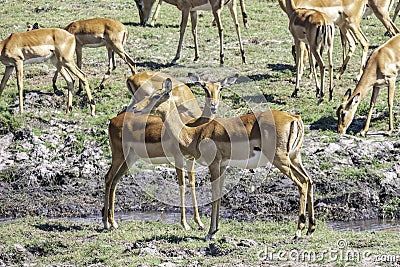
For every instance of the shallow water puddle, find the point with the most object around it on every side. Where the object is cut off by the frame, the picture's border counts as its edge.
(174, 217)
(366, 225)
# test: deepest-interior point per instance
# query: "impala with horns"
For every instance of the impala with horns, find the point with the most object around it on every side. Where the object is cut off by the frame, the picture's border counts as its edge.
(383, 66)
(148, 6)
(133, 137)
(315, 30)
(190, 7)
(347, 15)
(249, 141)
(35, 46)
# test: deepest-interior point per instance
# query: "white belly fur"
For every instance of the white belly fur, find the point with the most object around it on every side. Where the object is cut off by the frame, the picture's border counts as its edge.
(258, 160)
(202, 7)
(38, 59)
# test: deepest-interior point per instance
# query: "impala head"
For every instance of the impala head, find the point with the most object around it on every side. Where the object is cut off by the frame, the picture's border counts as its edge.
(144, 7)
(346, 111)
(158, 102)
(212, 90)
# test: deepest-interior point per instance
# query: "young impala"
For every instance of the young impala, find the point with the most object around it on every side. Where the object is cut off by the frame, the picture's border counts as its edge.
(316, 30)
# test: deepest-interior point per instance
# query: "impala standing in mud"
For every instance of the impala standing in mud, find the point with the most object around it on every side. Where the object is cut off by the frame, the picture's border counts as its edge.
(134, 137)
(249, 141)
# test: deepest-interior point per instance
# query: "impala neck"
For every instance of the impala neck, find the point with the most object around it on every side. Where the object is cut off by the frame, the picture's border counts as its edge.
(176, 127)
(367, 81)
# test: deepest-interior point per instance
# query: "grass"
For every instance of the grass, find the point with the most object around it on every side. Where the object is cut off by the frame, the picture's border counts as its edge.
(269, 76)
(62, 242)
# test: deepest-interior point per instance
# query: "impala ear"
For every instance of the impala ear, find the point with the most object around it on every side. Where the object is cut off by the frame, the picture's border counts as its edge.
(167, 85)
(230, 80)
(347, 95)
(195, 79)
(353, 101)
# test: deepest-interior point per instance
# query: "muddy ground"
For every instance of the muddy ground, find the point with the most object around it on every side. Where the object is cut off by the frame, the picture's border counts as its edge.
(54, 172)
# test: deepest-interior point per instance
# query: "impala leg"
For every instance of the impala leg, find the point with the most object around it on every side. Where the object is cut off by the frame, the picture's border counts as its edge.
(233, 10)
(383, 15)
(217, 183)
(7, 73)
(54, 82)
(192, 184)
(70, 84)
(111, 67)
(396, 11)
(118, 48)
(300, 50)
(390, 104)
(330, 62)
(155, 14)
(193, 18)
(312, 66)
(78, 51)
(185, 16)
(244, 14)
(82, 77)
(182, 189)
(299, 177)
(375, 92)
(19, 68)
(217, 18)
(359, 35)
(314, 52)
(350, 40)
(299, 171)
(118, 168)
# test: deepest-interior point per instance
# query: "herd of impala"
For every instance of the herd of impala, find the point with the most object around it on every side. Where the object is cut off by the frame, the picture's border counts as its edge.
(178, 130)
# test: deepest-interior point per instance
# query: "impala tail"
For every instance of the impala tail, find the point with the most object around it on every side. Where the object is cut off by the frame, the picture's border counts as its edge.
(296, 135)
(325, 35)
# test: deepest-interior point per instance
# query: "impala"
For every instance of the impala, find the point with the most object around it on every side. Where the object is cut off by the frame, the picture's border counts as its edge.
(191, 7)
(134, 137)
(347, 15)
(146, 83)
(316, 30)
(382, 68)
(249, 141)
(98, 32)
(36, 46)
(148, 5)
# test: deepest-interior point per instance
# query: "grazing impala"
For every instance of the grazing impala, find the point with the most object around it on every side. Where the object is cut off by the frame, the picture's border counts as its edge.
(382, 68)
(36, 46)
(134, 137)
(249, 141)
(98, 32)
(191, 7)
(347, 15)
(316, 30)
